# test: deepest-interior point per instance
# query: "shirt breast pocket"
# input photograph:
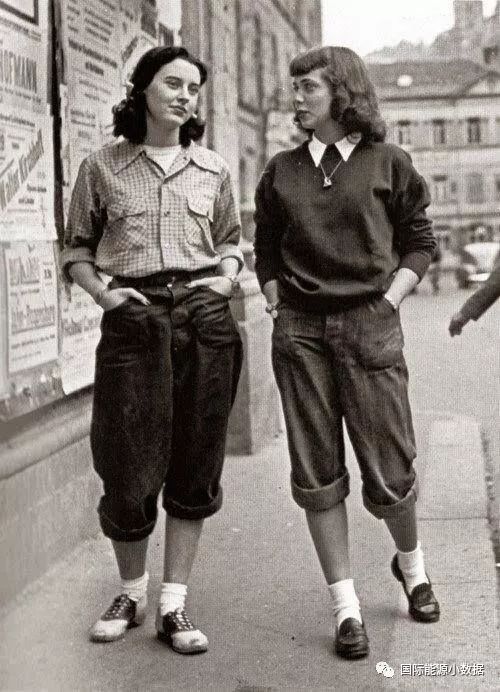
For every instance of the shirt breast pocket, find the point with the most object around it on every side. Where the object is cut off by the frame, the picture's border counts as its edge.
(199, 219)
(127, 224)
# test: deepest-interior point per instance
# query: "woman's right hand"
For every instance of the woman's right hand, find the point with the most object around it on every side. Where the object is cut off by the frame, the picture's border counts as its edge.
(270, 291)
(112, 298)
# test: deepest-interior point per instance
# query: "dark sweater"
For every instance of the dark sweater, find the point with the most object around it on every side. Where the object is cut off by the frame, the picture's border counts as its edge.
(337, 246)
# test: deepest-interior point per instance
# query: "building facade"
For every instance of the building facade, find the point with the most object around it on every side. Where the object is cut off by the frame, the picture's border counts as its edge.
(447, 115)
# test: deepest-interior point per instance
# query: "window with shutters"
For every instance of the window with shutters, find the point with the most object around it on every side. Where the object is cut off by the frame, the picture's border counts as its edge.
(439, 188)
(438, 132)
(403, 132)
(497, 187)
(249, 60)
(475, 187)
(474, 131)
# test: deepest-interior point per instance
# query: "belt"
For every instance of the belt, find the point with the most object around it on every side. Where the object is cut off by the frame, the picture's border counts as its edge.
(162, 278)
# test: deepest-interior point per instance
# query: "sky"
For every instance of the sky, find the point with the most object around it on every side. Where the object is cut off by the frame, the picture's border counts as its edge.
(365, 25)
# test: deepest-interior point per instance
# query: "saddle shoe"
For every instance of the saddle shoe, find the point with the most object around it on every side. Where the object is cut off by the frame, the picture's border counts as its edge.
(175, 629)
(121, 615)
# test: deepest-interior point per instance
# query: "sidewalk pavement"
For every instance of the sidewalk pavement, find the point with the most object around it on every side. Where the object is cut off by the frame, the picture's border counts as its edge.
(258, 593)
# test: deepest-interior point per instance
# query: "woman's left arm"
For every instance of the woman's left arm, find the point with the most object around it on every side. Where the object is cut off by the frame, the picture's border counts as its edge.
(226, 227)
(403, 283)
(414, 239)
(226, 233)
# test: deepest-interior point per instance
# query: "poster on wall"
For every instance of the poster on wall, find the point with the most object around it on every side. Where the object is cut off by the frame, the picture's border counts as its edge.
(23, 54)
(81, 319)
(138, 34)
(92, 78)
(26, 177)
(32, 306)
(26, 140)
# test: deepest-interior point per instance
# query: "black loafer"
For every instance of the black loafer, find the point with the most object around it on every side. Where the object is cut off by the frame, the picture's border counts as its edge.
(422, 604)
(351, 641)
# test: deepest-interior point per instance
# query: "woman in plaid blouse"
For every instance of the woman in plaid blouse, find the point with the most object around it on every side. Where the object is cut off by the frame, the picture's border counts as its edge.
(158, 214)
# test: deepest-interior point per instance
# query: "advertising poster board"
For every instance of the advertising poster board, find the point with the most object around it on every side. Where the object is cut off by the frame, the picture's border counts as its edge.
(115, 35)
(26, 176)
(92, 77)
(80, 318)
(32, 306)
(23, 55)
(26, 140)
(29, 315)
(134, 41)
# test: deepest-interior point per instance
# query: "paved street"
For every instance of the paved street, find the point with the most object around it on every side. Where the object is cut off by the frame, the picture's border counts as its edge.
(459, 375)
(257, 589)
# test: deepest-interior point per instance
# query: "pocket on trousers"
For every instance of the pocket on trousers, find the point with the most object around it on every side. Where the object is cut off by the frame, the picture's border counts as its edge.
(298, 323)
(379, 338)
(125, 334)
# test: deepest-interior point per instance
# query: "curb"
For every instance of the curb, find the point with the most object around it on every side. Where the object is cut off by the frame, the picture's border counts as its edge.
(453, 513)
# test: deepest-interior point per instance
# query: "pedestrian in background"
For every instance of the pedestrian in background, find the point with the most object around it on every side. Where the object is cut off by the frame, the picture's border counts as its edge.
(434, 271)
(342, 237)
(478, 303)
(157, 213)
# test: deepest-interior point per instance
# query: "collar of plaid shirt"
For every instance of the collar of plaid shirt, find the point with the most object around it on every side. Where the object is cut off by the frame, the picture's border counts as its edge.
(126, 152)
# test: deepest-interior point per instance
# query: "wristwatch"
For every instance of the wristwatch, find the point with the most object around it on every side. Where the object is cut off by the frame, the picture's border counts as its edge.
(272, 309)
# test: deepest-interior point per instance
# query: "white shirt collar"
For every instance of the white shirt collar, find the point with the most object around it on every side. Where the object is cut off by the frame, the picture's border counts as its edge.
(345, 146)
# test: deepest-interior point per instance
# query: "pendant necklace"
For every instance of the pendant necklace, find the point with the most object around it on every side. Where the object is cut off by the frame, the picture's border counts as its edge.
(327, 179)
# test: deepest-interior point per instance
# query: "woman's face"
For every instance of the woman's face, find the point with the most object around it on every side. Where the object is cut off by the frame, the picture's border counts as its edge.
(172, 95)
(312, 99)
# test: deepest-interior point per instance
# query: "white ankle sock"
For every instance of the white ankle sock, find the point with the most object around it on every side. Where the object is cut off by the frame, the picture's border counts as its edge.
(172, 596)
(413, 568)
(136, 588)
(345, 601)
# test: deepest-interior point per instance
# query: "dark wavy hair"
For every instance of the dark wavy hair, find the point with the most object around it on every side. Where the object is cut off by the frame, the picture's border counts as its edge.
(354, 102)
(129, 116)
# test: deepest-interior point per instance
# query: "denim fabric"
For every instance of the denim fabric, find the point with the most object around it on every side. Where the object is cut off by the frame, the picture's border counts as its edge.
(166, 377)
(346, 366)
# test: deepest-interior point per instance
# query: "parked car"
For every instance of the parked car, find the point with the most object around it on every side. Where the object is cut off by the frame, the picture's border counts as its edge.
(476, 260)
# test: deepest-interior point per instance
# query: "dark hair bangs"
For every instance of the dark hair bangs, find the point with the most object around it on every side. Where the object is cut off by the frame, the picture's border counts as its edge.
(309, 60)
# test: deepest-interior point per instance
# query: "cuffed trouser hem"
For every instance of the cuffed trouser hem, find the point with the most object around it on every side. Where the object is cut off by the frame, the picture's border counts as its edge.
(321, 499)
(174, 509)
(114, 532)
(393, 510)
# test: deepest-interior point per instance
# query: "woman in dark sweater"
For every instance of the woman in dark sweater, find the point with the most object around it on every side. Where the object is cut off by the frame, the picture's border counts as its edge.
(342, 237)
